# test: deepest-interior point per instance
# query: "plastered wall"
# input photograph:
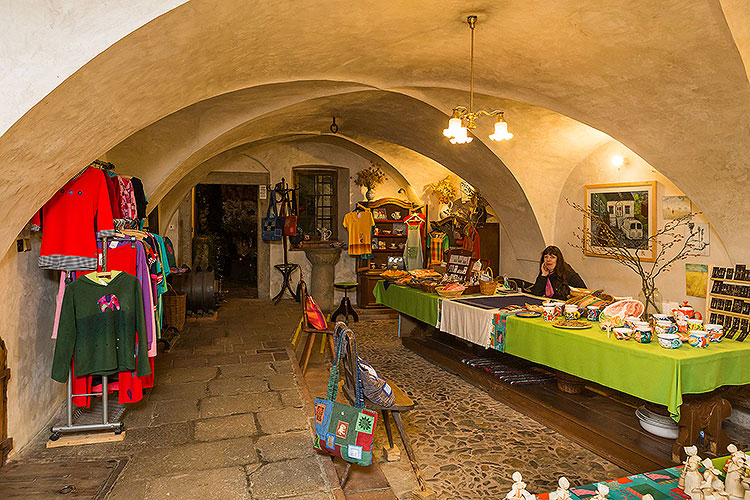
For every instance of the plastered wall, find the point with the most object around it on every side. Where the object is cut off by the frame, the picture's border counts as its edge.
(27, 308)
(605, 273)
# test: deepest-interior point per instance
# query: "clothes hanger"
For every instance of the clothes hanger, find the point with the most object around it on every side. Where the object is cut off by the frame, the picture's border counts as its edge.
(360, 208)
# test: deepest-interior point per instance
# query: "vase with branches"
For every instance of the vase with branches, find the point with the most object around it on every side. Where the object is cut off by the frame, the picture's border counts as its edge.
(671, 245)
(370, 178)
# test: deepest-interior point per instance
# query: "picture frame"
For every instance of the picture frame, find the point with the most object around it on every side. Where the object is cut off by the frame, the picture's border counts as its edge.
(379, 214)
(629, 207)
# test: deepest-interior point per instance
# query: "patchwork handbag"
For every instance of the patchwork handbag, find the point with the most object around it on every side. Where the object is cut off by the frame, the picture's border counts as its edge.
(315, 316)
(272, 226)
(341, 430)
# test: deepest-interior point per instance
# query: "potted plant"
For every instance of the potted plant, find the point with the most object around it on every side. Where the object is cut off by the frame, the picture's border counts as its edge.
(370, 178)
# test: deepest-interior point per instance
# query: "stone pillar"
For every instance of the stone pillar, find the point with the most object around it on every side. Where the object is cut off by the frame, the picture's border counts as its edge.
(323, 260)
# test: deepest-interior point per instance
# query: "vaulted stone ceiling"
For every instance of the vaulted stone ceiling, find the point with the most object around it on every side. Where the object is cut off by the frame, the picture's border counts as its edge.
(666, 79)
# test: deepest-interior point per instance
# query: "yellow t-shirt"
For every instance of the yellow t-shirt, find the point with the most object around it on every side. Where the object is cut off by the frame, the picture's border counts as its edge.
(359, 225)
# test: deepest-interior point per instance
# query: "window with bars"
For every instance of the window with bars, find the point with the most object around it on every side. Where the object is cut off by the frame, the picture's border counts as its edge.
(317, 201)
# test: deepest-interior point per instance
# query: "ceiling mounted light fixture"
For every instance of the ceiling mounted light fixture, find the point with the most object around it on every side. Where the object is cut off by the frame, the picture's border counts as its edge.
(464, 119)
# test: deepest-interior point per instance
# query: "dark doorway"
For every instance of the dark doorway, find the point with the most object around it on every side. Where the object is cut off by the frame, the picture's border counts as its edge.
(6, 443)
(226, 235)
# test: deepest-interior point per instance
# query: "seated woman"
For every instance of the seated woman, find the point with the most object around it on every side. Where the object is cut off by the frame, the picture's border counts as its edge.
(555, 276)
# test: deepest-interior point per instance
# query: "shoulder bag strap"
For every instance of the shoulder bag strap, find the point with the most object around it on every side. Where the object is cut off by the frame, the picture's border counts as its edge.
(340, 335)
(271, 205)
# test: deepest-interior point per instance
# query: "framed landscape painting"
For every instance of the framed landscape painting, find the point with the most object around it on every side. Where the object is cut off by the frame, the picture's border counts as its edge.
(629, 209)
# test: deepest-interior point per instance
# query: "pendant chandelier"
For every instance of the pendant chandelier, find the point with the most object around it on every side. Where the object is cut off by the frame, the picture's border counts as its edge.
(464, 119)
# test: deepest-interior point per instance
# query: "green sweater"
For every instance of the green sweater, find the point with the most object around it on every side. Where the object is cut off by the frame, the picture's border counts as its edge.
(98, 325)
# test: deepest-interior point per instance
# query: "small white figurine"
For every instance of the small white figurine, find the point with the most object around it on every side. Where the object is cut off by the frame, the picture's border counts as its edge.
(562, 492)
(518, 490)
(690, 478)
(746, 478)
(711, 488)
(734, 468)
(602, 490)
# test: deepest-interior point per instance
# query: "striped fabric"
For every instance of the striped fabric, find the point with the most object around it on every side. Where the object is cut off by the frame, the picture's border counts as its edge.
(67, 262)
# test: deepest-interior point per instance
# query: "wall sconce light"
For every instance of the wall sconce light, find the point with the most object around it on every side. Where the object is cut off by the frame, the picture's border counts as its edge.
(619, 160)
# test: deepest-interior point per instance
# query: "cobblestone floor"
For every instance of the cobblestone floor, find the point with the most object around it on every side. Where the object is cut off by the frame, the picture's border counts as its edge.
(467, 443)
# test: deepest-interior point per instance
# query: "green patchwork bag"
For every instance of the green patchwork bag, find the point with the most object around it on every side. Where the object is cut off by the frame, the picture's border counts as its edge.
(341, 430)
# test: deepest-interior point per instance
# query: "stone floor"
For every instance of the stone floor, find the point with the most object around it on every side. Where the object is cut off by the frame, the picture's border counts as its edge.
(225, 420)
(228, 419)
(467, 443)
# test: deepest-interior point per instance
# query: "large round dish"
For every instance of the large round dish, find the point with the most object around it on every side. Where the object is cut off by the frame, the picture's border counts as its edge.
(657, 427)
(614, 314)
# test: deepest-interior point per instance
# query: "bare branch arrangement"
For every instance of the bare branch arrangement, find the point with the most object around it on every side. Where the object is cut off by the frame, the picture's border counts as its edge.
(670, 243)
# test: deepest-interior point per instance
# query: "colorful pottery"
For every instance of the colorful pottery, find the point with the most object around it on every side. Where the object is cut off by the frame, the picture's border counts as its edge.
(695, 324)
(714, 331)
(623, 333)
(669, 340)
(686, 311)
(549, 313)
(630, 321)
(642, 334)
(698, 339)
(571, 312)
(682, 325)
(660, 317)
(559, 308)
(592, 313)
(571, 324)
(528, 314)
(665, 327)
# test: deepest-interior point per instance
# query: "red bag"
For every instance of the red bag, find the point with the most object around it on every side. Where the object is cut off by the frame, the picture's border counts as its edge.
(290, 225)
(314, 315)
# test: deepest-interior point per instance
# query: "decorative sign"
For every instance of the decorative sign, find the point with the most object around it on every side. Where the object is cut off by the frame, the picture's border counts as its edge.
(459, 264)
(262, 192)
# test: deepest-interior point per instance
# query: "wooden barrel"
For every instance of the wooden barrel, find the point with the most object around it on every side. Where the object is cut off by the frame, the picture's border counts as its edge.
(201, 289)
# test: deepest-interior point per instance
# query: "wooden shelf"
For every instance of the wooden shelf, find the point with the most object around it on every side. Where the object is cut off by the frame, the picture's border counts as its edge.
(395, 250)
(388, 220)
(728, 313)
(721, 296)
(389, 236)
(739, 282)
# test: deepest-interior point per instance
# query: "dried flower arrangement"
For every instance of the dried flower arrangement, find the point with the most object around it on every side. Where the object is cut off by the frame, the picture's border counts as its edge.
(370, 177)
(444, 190)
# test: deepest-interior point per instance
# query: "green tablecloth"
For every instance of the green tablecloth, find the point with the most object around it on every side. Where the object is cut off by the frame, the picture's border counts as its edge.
(646, 371)
(410, 301)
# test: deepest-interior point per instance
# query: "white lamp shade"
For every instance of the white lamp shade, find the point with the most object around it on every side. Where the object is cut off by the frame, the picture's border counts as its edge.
(454, 127)
(501, 132)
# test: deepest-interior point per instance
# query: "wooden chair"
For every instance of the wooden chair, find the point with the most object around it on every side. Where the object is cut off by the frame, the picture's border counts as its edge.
(401, 403)
(311, 332)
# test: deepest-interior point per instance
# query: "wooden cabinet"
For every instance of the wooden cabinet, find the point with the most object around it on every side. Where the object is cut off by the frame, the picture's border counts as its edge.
(389, 240)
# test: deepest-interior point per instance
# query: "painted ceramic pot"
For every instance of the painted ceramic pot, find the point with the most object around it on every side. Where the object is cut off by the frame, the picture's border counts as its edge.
(550, 313)
(642, 334)
(560, 308)
(698, 339)
(714, 332)
(623, 333)
(592, 313)
(669, 340)
(630, 321)
(695, 324)
(665, 327)
(660, 317)
(571, 311)
(682, 326)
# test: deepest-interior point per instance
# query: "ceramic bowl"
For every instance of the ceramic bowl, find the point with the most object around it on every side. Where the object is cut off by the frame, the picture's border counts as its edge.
(623, 333)
(656, 424)
(715, 332)
(630, 321)
(592, 313)
(698, 339)
(642, 335)
(669, 340)
(695, 324)
(660, 317)
(665, 327)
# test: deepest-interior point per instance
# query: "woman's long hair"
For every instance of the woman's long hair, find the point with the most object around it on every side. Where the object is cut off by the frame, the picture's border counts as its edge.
(562, 269)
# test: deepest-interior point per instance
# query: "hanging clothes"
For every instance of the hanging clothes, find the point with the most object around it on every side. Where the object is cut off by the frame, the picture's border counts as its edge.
(128, 207)
(471, 242)
(140, 197)
(438, 243)
(359, 224)
(413, 256)
(72, 220)
(112, 188)
(99, 323)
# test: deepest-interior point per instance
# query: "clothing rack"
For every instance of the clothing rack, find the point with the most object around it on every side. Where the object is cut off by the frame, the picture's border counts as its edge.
(106, 425)
(286, 269)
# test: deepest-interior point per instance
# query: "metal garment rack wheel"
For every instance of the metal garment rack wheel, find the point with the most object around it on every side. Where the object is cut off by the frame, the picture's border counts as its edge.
(106, 425)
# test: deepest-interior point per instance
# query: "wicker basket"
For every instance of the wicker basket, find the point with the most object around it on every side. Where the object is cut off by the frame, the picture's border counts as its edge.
(569, 383)
(488, 287)
(452, 294)
(429, 287)
(174, 304)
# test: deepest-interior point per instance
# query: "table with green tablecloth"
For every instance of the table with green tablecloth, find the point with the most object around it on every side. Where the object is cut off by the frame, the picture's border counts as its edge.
(409, 301)
(646, 371)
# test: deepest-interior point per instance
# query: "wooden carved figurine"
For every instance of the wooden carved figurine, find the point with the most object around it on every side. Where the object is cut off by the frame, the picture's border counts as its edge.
(691, 478)
(745, 480)
(711, 488)
(518, 490)
(734, 467)
(562, 492)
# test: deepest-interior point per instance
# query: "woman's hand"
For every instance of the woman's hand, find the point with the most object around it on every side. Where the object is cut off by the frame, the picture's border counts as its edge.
(544, 270)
